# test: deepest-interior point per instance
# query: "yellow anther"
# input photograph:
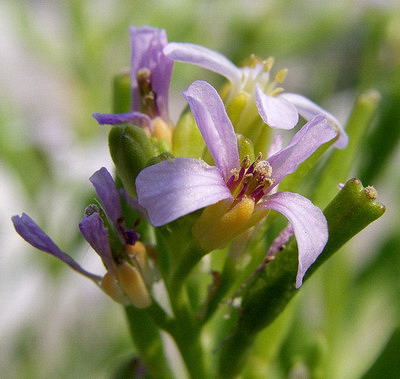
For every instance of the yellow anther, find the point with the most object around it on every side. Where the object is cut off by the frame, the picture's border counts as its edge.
(235, 173)
(268, 63)
(259, 158)
(111, 287)
(252, 61)
(245, 162)
(143, 74)
(281, 75)
(133, 285)
(263, 168)
(276, 91)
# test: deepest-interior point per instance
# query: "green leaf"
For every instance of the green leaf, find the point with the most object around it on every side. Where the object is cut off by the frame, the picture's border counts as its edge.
(338, 167)
(272, 287)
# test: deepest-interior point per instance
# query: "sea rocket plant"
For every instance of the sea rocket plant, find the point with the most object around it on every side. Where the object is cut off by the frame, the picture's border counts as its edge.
(174, 188)
(277, 109)
(150, 78)
(227, 193)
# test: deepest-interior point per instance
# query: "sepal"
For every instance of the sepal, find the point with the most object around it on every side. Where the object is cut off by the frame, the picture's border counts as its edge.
(187, 140)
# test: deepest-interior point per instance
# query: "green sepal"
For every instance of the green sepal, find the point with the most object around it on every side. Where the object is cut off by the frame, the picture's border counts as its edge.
(186, 139)
(272, 287)
(160, 146)
(245, 147)
(122, 93)
(236, 106)
(159, 158)
(130, 150)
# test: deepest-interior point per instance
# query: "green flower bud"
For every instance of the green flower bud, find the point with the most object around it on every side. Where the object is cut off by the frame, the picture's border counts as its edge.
(130, 150)
(187, 140)
(246, 148)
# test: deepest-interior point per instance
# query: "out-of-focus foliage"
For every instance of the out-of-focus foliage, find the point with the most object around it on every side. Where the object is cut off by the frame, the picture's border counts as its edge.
(58, 59)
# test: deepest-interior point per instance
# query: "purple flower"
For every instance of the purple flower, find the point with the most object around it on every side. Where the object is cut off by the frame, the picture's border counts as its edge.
(92, 228)
(34, 235)
(150, 77)
(174, 188)
(277, 109)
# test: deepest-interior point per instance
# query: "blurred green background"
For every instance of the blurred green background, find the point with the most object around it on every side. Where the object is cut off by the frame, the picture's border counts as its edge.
(57, 63)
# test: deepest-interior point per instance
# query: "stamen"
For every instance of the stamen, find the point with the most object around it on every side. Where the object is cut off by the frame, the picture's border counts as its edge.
(276, 91)
(245, 162)
(268, 63)
(147, 95)
(252, 61)
(252, 180)
(281, 75)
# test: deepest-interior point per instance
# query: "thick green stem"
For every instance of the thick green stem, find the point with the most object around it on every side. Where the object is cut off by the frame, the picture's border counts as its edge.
(147, 339)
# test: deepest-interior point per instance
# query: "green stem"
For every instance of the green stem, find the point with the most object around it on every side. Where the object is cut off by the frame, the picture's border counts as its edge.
(147, 339)
(189, 344)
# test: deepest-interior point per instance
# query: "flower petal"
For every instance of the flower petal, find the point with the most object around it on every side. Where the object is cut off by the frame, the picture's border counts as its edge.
(147, 52)
(92, 228)
(173, 188)
(214, 124)
(203, 57)
(308, 109)
(136, 118)
(33, 234)
(276, 144)
(309, 225)
(275, 111)
(303, 144)
(108, 194)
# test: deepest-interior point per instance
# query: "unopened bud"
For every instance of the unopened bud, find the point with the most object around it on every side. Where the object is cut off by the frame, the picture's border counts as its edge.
(130, 150)
(246, 150)
(187, 140)
(161, 130)
(236, 106)
(138, 254)
(111, 287)
(133, 285)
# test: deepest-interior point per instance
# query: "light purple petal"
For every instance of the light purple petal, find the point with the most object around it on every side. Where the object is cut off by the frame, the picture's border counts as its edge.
(173, 188)
(147, 46)
(214, 124)
(308, 109)
(33, 234)
(309, 225)
(275, 111)
(276, 144)
(92, 228)
(203, 57)
(136, 118)
(108, 194)
(303, 144)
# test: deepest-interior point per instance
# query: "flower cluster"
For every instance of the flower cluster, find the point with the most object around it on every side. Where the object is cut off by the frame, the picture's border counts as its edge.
(227, 191)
